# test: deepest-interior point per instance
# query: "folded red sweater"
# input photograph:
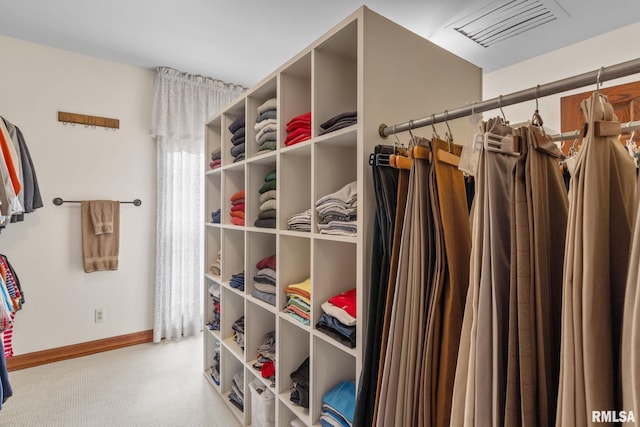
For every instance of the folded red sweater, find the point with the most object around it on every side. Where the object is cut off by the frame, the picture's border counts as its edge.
(237, 214)
(346, 301)
(268, 262)
(302, 118)
(238, 207)
(297, 140)
(237, 221)
(296, 133)
(238, 195)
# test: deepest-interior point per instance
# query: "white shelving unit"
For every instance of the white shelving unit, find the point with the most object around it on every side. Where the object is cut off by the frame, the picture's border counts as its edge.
(388, 75)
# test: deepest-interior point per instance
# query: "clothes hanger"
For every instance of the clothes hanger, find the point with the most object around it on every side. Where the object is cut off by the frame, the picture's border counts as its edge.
(448, 157)
(399, 159)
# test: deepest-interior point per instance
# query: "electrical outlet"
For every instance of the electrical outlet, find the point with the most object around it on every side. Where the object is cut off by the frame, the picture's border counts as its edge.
(99, 315)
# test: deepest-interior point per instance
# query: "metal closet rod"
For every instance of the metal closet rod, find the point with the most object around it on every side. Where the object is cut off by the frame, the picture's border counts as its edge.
(58, 201)
(624, 127)
(592, 77)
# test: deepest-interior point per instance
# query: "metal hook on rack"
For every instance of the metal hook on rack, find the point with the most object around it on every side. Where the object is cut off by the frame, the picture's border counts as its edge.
(435, 132)
(504, 118)
(448, 135)
(536, 120)
(598, 82)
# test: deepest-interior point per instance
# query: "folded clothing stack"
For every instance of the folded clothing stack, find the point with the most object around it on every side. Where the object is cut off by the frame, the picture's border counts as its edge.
(267, 126)
(237, 281)
(340, 121)
(338, 319)
(339, 405)
(215, 216)
(215, 369)
(298, 129)
(338, 211)
(300, 221)
(266, 358)
(300, 389)
(267, 214)
(214, 268)
(298, 303)
(237, 208)
(264, 283)
(238, 332)
(236, 397)
(214, 291)
(216, 158)
(237, 128)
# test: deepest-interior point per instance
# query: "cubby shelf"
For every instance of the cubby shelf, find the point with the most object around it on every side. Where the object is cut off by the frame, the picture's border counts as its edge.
(325, 79)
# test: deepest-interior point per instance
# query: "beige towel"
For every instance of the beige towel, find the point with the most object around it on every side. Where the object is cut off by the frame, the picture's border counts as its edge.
(102, 212)
(99, 246)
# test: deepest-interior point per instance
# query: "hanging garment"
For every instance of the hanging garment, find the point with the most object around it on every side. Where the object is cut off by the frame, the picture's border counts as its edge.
(385, 182)
(450, 289)
(480, 379)
(601, 200)
(403, 358)
(403, 164)
(538, 226)
(630, 351)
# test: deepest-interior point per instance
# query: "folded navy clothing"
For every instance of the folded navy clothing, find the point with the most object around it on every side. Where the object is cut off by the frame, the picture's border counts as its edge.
(336, 329)
(333, 120)
(300, 391)
(238, 134)
(237, 281)
(237, 124)
(265, 223)
(239, 157)
(215, 216)
(238, 141)
(237, 149)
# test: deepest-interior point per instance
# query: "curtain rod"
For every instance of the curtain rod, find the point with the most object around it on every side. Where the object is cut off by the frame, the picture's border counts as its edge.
(592, 77)
(58, 201)
(624, 127)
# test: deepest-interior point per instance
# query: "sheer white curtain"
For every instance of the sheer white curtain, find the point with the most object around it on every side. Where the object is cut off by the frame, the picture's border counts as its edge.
(182, 103)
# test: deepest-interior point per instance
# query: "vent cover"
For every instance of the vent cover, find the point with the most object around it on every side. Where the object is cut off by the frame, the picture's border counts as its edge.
(502, 20)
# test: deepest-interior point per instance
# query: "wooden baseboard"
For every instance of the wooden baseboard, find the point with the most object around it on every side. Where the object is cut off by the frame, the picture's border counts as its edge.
(77, 350)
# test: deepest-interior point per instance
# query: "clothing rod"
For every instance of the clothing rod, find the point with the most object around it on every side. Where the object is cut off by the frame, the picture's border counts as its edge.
(58, 201)
(590, 78)
(564, 136)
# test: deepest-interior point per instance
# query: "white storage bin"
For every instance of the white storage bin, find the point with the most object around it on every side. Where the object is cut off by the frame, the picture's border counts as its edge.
(263, 405)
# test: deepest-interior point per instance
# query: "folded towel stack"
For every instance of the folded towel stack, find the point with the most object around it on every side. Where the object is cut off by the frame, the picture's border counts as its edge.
(338, 319)
(237, 208)
(264, 283)
(216, 158)
(340, 121)
(298, 303)
(298, 129)
(300, 221)
(267, 126)
(267, 214)
(339, 405)
(338, 211)
(237, 128)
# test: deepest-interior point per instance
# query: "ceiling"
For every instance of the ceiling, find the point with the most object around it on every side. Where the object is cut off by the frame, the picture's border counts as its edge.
(242, 41)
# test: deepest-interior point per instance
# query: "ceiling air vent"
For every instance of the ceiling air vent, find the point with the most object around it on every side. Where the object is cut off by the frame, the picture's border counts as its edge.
(502, 20)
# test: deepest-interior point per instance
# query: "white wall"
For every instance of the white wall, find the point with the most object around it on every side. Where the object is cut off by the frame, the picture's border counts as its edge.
(605, 50)
(75, 163)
